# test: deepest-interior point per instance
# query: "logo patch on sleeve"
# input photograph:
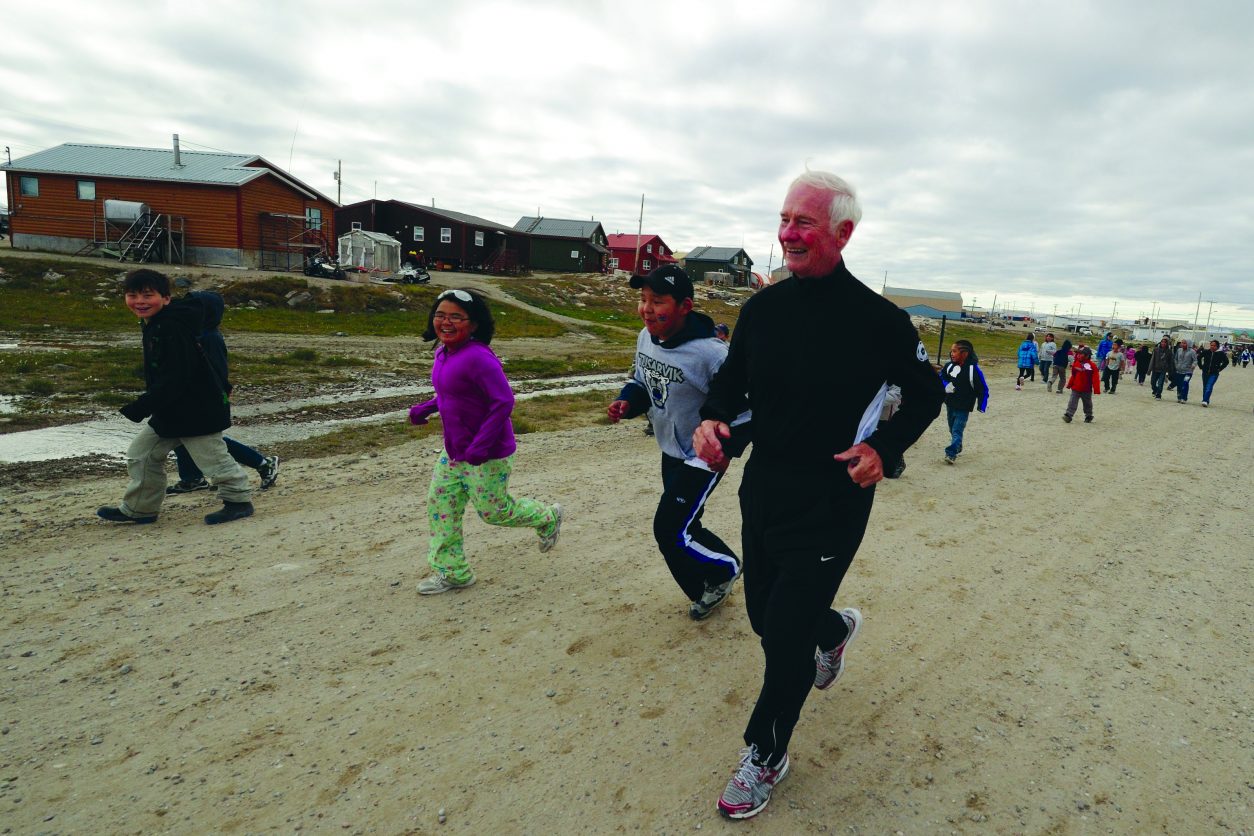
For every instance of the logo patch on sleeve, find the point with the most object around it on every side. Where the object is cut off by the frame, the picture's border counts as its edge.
(921, 352)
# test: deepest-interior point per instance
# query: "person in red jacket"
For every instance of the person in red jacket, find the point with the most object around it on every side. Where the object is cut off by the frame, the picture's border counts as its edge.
(1084, 384)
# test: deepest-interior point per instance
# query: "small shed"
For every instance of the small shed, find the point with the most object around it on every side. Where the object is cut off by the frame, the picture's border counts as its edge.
(370, 251)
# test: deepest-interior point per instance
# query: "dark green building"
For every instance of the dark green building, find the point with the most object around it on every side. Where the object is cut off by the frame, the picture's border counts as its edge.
(566, 246)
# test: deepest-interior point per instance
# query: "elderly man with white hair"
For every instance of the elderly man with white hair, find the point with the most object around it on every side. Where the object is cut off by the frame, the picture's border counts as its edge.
(817, 454)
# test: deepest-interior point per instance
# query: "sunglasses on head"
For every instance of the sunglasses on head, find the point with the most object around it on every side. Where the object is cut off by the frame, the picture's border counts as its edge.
(460, 295)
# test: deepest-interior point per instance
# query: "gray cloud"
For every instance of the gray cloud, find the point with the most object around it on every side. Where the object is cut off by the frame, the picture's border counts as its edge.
(1060, 153)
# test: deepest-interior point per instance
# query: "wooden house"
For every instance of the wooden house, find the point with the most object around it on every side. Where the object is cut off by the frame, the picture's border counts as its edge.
(652, 250)
(565, 245)
(166, 204)
(733, 260)
(441, 237)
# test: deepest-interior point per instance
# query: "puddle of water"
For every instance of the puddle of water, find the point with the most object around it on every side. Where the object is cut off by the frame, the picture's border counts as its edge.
(111, 436)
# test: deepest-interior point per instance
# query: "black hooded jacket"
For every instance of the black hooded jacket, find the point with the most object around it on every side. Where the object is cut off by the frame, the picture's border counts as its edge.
(187, 392)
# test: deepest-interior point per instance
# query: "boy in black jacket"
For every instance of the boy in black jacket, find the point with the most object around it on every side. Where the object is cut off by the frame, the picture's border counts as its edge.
(186, 400)
(964, 385)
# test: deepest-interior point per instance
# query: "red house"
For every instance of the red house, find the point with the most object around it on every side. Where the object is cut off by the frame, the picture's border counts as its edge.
(165, 204)
(652, 249)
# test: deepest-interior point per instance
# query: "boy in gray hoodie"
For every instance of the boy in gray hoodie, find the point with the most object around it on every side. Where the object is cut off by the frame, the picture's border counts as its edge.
(677, 353)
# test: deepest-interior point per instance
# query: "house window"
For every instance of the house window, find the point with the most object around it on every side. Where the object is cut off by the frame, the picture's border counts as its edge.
(86, 189)
(574, 253)
(356, 226)
(420, 234)
(478, 238)
(646, 265)
(648, 248)
(313, 217)
(30, 187)
(613, 263)
(446, 235)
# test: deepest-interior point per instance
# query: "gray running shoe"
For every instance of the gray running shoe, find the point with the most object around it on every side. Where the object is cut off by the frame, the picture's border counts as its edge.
(269, 471)
(437, 583)
(710, 600)
(187, 487)
(749, 789)
(830, 664)
(548, 541)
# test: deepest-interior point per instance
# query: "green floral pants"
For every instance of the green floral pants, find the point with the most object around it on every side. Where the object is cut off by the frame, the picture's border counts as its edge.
(487, 487)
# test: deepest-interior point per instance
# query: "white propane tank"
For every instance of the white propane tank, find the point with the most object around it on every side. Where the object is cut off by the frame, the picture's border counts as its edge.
(124, 210)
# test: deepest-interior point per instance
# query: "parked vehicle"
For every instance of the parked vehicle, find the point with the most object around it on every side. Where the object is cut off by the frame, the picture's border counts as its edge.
(411, 274)
(324, 268)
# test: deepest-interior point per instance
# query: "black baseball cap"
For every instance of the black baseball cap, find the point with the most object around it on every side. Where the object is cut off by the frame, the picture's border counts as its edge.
(668, 280)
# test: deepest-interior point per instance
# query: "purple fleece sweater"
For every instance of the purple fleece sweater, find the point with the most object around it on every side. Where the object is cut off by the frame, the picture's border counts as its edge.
(474, 400)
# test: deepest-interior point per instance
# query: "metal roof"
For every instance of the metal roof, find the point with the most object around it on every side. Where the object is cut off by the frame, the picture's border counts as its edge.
(923, 294)
(627, 240)
(460, 217)
(202, 167)
(714, 254)
(558, 227)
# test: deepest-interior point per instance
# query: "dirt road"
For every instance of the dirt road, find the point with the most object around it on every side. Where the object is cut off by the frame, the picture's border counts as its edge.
(1057, 640)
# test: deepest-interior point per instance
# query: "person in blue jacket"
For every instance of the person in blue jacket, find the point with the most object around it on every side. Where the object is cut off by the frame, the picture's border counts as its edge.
(1028, 359)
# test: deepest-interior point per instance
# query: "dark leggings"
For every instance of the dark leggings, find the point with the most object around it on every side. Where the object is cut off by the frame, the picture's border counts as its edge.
(800, 536)
(694, 554)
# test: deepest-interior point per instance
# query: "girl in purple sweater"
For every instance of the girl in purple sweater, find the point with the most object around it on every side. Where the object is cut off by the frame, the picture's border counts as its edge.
(474, 401)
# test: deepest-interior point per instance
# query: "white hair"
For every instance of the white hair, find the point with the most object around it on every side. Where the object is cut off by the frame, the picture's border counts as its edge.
(844, 205)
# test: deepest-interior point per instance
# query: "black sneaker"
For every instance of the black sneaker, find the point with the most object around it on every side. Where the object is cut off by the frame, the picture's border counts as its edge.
(181, 486)
(114, 514)
(1088, 419)
(1066, 417)
(230, 511)
(269, 471)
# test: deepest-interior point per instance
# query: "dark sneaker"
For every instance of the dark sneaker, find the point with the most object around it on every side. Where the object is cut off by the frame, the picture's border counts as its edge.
(648, 429)
(437, 583)
(710, 600)
(230, 512)
(749, 789)
(950, 459)
(113, 514)
(269, 471)
(1088, 419)
(830, 664)
(181, 486)
(548, 541)
(1066, 417)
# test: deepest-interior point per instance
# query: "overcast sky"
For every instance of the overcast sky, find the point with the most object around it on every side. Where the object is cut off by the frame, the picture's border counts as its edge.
(1066, 155)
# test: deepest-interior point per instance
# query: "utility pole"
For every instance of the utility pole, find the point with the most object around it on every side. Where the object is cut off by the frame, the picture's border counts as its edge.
(1198, 312)
(639, 229)
(339, 185)
(1209, 310)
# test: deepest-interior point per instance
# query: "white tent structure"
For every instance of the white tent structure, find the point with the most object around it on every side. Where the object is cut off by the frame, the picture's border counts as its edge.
(372, 251)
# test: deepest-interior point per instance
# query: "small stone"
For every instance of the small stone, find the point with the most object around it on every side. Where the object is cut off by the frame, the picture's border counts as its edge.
(441, 816)
(124, 669)
(550, 693)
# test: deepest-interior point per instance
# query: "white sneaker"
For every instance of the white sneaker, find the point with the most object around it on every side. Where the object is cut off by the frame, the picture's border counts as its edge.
(548, 541)
(830, 664)
(749, 789)
(437, 583)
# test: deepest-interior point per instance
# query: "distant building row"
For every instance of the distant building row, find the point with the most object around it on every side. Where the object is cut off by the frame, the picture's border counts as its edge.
(197, 207)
